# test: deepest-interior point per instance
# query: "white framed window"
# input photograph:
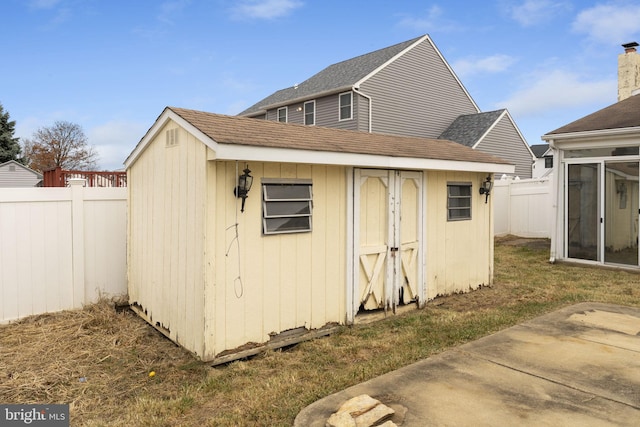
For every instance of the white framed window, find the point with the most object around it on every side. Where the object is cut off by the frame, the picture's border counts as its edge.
(282, 114)
(310, 113)
(346, 106)
(287, 206)
(458, 201)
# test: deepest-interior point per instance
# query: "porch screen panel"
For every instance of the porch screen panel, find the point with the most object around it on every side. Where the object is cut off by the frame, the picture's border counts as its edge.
(621, 213)
(583, 211)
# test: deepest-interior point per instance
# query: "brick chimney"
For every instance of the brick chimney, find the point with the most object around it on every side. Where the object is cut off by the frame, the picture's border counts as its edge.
(628, 71)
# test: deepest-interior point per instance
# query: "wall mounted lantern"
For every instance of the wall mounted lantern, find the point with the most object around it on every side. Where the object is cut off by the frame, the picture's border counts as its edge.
(244, 185)
(485, 188)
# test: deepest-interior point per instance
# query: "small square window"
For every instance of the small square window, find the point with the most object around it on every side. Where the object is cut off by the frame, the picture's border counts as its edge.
(310, 113)
(458, 201)
(548, 162)
(346, 106)
(286, 206)
(282, 114)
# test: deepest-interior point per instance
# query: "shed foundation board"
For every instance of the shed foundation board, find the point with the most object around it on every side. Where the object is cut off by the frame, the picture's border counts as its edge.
(278, 341)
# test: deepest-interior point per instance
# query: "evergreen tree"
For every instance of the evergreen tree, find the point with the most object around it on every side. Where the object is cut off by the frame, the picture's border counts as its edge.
(9, 145)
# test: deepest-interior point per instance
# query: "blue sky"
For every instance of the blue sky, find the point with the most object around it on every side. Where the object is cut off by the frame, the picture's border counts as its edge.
(112, 66)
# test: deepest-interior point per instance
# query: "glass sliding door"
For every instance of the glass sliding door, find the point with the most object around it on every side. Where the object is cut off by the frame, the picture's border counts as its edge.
(583, 211)
(621, 213)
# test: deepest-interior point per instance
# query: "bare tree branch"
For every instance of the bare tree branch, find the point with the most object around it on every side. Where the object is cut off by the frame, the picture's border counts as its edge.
(62, 145)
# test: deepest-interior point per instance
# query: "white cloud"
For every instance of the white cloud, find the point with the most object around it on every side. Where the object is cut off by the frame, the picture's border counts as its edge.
(611, 23)
(557, 90)
(532, 12)
(265, 9)
(114, 141)
(490, 64)
(431, 22)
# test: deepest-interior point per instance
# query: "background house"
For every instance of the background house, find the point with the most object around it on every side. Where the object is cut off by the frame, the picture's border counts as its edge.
(334, 226)
(543, 164)
(596, 162)
(14, 174)
(404, 89)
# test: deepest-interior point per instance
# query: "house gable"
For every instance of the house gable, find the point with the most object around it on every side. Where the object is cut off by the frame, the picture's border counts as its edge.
(417, 94)
(494, 133)
(405, 89)
(335, 78)
(14, 174)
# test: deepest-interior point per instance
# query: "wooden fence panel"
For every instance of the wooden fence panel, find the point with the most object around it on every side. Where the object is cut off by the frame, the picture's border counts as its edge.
(60, 248)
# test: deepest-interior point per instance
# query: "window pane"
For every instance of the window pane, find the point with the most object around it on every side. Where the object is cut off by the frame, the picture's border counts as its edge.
(345, 106)
(287, 208)
(460, 213)
(282, 114)
(309, 113)
(287, 192)
(459, 202)
(288, 224)
(459, 190)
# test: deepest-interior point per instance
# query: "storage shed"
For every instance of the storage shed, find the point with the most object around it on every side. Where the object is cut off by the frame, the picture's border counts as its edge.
(336, 224)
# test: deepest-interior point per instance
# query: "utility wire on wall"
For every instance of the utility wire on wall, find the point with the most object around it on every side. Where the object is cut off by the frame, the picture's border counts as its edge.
(238, 286)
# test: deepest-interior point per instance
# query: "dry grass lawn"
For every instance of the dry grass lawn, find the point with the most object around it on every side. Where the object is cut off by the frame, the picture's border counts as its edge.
(98, 360)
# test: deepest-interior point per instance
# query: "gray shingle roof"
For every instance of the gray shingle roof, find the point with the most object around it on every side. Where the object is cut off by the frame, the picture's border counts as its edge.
(539, 149)
(335, 77)
(623, 114)
(469, 128)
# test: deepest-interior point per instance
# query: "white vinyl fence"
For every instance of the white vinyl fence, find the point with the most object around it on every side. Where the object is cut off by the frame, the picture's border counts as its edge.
(522, 207)
(60, 248)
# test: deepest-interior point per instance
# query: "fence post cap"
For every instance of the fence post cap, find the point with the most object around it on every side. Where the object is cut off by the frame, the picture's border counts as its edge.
(77, 181)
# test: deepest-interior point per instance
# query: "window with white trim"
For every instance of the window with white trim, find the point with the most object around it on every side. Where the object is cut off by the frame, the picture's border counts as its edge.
(346, 106)
(458, 201)
(310, 113)
(282, 114)
(286, 206)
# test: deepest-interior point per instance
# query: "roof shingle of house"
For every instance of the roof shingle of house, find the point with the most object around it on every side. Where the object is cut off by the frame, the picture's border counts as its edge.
(623, 114)
(264, 133)
(469, 128)
(335, 77)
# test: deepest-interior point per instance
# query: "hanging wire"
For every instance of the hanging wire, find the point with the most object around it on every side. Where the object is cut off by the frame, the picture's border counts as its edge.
(238, 286)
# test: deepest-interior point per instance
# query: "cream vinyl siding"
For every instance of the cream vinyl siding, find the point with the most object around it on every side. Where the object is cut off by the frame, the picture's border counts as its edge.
(167, 197)
(264, 285)
(416, 95)
(504, 142)
(459, 253)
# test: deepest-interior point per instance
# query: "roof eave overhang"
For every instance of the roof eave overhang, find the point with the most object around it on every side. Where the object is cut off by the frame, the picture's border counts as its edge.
(288, 155)
(618, 136)
(265, 108)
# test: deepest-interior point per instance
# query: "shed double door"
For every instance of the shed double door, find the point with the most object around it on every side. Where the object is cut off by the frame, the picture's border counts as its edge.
(388, 238)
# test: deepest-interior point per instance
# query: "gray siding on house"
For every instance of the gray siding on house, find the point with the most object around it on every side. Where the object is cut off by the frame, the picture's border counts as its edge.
(327, 113)
(14, 175)
(416, 95)
(504, 141)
